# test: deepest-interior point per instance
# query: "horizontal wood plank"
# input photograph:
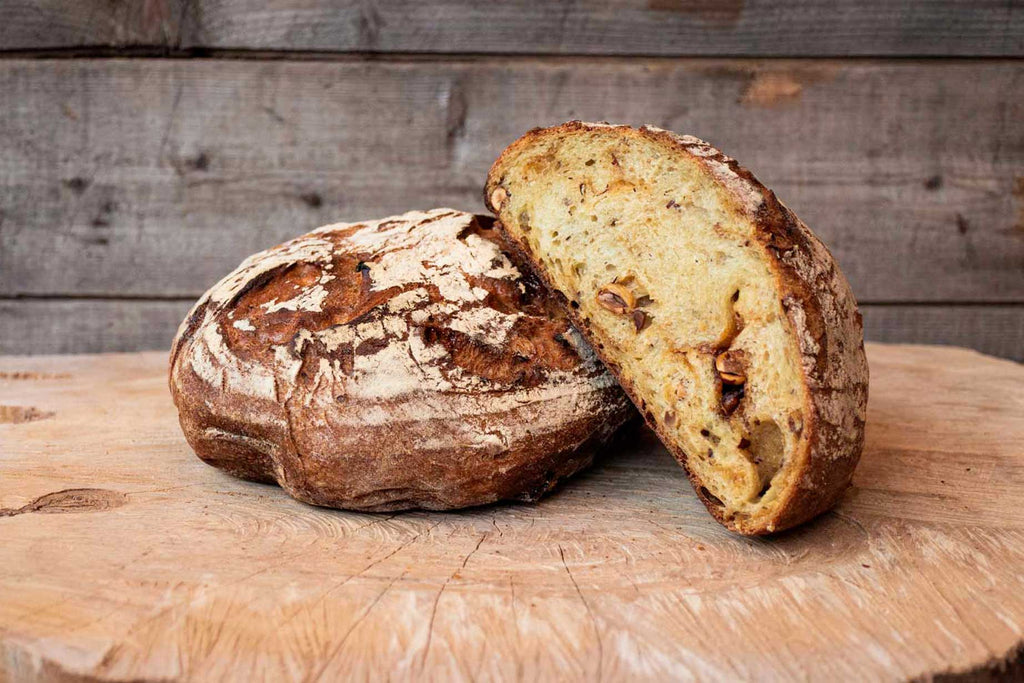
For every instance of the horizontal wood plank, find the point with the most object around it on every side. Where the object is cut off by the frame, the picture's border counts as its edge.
(995, 330)
(617, 27)
(154, 178)
(57, 24)
(89, 326)
(644, 27)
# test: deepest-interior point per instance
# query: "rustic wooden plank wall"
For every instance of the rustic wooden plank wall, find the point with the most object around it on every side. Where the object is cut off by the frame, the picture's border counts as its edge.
(147, 147)
(815, 28)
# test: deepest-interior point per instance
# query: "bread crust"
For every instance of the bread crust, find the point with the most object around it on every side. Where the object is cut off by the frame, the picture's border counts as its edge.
(392, 364)
(821, 312)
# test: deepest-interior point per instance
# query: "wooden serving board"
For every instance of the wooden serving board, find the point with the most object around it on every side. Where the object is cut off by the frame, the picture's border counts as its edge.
(122, 556)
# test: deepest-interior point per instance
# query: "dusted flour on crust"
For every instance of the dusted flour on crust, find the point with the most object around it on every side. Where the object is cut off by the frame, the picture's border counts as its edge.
(391, 364)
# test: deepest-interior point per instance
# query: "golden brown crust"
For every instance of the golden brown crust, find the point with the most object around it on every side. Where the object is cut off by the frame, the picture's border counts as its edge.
(821, 311)
(402, 363)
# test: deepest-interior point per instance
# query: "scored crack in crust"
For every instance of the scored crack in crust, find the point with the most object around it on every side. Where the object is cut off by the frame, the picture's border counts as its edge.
(391, 364)
(725, 319)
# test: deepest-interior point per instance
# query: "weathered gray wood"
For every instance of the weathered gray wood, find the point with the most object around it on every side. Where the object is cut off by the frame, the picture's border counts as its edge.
(996, 330)
(651, 27)
(88, 326)
(51, 24)
(156, 177)
(648, 27)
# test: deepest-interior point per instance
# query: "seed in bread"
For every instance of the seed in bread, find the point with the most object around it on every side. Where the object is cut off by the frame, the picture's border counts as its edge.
(391, 364)
(725, 319)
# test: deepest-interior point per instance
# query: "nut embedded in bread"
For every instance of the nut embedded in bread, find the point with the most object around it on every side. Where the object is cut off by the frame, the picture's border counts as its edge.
(391, 364)
(725, 319)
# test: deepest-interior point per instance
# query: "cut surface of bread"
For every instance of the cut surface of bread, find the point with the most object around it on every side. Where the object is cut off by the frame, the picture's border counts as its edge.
(725, 319)
(391, 364)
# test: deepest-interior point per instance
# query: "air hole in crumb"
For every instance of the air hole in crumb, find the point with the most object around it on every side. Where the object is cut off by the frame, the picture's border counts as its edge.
(766, 447)
(732, 394)
(590, 162)
(734, 323)
(524, 221)
(710, 496)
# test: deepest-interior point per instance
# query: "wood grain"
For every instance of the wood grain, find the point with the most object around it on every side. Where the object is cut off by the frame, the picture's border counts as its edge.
(155, 177)
(996, 330)
(104, 325)
(51, 24)
(88, 325)
(125, 557)
(646, 27)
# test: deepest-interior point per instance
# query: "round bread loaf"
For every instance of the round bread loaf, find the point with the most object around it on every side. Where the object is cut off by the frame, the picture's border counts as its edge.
(392, 364)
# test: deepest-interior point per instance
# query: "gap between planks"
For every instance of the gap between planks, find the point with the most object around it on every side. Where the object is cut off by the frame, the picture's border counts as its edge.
(358, 56)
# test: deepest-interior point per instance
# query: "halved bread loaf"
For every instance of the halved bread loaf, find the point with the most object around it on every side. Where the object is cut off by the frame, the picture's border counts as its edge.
(391, 364)
(725, 319)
